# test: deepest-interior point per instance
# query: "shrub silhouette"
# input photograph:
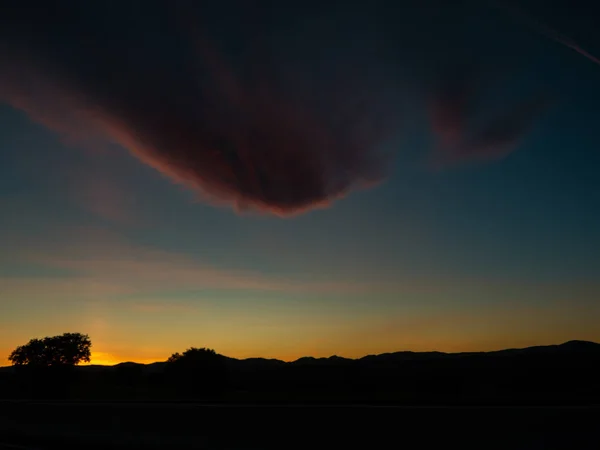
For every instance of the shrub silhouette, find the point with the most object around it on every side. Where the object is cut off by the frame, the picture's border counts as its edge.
(198, 371)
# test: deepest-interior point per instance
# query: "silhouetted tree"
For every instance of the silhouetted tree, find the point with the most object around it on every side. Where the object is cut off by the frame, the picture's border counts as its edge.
(174, 357)
(195, 357)
(45, 367)
(68, 349)
(198, 371)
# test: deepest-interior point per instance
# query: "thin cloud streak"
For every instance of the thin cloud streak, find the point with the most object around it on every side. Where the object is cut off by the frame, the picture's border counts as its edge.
(95, 262)
(544, 29)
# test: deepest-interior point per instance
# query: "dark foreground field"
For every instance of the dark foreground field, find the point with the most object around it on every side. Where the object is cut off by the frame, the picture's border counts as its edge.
(194, 426)
(132, 406)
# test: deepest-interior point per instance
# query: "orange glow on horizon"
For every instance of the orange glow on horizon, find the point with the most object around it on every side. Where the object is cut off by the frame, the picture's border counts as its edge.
(109, 359)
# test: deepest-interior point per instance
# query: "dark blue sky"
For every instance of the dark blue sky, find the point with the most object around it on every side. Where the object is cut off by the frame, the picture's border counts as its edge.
(300, 179)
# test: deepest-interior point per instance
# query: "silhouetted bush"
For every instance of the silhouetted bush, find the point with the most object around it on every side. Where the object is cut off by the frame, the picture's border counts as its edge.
(198, 371)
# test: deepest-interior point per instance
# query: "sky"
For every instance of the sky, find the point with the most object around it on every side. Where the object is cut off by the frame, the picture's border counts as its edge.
(283, 179)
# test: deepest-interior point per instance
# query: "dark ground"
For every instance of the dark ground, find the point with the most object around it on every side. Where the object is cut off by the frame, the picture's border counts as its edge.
(195, 426)
(168, 405)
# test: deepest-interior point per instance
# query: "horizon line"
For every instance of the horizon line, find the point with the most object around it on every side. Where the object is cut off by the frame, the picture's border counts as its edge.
(580, 341)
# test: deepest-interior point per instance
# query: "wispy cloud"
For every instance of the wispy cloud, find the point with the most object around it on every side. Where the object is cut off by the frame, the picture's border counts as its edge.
(99, 266)
(48, 102)
(96, 263)
(464, 131)
(161, 308)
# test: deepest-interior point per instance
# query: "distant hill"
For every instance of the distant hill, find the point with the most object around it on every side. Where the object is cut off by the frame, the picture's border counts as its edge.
(574, 347)
(567, 374)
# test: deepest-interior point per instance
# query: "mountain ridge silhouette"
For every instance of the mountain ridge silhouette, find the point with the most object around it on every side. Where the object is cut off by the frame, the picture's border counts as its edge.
(572, 346)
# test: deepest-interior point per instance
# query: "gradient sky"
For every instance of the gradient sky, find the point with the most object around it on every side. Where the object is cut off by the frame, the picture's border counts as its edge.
(293, 180)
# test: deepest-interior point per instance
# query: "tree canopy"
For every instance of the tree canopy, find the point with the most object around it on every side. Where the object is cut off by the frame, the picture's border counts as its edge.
(68, 349)
(195, 357)
(198, 370)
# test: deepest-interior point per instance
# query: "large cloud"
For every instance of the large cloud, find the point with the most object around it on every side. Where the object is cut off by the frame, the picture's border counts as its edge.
(281, 125)
(267, 139)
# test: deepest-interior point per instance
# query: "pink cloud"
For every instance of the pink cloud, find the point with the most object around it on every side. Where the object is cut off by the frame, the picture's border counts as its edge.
(250, 143)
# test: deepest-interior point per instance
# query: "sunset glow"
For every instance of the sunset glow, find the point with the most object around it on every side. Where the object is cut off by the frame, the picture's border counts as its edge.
(347, 181)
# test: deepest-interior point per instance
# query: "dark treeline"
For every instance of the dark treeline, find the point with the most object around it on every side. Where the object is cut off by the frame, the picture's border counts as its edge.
(562, 374)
